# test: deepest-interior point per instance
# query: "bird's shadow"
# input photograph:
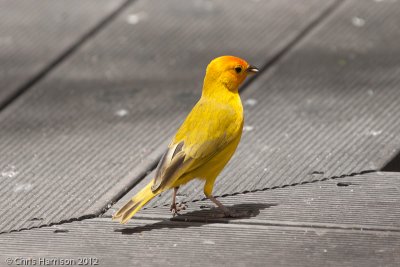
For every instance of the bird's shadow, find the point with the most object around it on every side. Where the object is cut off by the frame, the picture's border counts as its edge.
(201, 217)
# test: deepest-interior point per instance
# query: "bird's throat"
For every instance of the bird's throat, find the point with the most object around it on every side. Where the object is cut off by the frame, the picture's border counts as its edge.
(220, 90)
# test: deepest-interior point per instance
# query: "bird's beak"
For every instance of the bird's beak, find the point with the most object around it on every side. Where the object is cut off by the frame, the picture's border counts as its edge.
(251, 70)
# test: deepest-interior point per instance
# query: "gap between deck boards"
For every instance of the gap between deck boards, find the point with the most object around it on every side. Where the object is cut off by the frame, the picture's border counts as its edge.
(183, 218)
(63, 56)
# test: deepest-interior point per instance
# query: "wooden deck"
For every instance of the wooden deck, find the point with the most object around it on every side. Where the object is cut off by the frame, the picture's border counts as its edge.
(92, 91)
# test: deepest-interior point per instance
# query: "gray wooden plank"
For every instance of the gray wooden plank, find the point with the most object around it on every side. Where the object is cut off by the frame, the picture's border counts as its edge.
(369, 201)
(152, 243)
(34, 33)
(83, 135)
(330, 107)
(354, 223)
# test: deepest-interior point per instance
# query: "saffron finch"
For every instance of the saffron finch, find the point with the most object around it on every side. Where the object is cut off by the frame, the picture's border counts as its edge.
(206, 140)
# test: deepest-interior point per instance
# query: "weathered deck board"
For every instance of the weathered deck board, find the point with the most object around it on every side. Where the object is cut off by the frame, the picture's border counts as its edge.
(83, 134)
(330, 108)
(195, 244)
(369, 201)
(336, 228)
(34, 33)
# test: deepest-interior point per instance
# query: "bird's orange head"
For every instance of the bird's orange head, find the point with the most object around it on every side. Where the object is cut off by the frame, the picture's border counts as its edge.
(228, 71)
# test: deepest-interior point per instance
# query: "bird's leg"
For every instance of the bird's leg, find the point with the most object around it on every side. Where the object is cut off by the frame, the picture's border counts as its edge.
(229, 212)
(208, 187)
(175, 208)
(226, 211)
(173, 205)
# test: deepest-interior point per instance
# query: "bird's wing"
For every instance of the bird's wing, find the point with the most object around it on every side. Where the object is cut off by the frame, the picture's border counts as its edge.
(170, 163)
(208, 129)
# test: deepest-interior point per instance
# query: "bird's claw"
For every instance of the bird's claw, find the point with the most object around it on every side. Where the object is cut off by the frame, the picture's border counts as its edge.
(177, 207)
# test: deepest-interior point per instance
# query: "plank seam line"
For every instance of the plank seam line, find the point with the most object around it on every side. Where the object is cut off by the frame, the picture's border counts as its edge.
(275, 187)
(77, 219)
(349, 227)
(94, 216)
(296, 40)
(64, 55)
(139, 177)
(97, 214)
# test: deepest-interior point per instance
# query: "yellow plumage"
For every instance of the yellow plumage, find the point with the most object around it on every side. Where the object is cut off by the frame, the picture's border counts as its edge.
(206, 140)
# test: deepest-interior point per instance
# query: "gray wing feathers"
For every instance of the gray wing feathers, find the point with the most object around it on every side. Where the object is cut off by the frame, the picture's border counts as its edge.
(170, 163)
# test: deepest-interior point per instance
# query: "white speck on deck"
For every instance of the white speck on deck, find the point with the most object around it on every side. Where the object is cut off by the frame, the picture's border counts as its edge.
(121, 112)
(248, 128)
(309, 200)
(250, 102)
(374, 133)
(22, 187)
(358, 22)
(8, 172)
(136, 18)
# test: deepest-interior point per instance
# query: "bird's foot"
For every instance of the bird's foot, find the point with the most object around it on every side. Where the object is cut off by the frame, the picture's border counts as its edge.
(177, 207)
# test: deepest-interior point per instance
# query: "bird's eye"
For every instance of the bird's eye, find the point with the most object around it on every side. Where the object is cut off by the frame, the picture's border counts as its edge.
(238, 69)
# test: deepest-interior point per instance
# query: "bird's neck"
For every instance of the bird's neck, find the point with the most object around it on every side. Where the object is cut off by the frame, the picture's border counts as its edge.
(220, 91)
(222, 97)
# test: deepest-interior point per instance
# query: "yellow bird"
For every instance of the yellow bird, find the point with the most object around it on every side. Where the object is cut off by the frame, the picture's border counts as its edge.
(206, 140)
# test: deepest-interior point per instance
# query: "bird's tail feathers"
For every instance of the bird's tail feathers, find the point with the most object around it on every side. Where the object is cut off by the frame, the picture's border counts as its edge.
(134, 205)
